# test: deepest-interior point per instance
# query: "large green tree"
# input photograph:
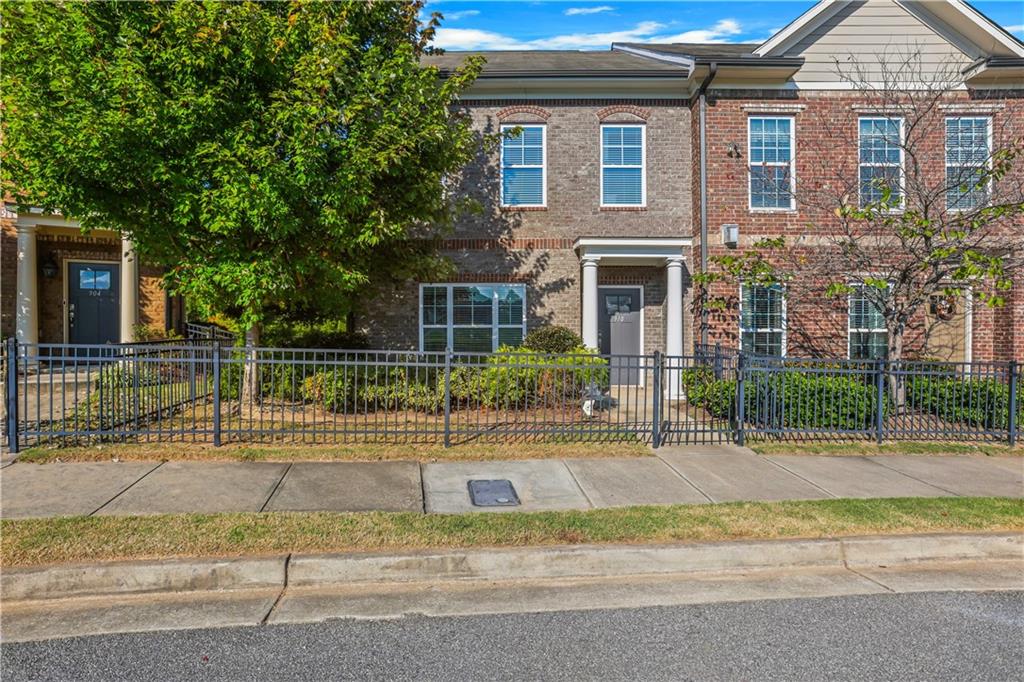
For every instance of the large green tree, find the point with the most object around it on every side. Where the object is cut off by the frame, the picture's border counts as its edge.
(272, 156)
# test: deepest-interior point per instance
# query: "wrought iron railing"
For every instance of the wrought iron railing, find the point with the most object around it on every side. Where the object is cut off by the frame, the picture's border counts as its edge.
(204, 391)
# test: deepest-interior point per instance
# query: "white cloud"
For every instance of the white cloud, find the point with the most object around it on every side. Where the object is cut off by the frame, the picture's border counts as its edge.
(645, 31)
(719, 33)
(455, 16)
(573, 11)
(1019, 28)
(475, 39)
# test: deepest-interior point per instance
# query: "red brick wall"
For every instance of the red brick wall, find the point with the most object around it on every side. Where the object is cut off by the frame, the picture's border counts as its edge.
(535, 245)
(826, 150)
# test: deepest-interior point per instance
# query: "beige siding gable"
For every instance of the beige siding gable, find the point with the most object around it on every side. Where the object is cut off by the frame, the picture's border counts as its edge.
(865, 31)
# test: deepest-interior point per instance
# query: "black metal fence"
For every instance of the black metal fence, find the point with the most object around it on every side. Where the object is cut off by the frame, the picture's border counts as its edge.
(201, 391)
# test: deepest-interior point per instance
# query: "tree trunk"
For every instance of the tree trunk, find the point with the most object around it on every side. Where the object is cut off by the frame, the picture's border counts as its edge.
(251, 376)
(897, 383)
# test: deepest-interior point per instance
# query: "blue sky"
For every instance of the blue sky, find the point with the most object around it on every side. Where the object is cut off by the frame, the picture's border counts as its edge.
(590, 25)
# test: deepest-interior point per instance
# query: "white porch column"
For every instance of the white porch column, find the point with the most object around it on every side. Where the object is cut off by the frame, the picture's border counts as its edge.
(674, 322)
(27, 302)
(590, 302)
(129, 290)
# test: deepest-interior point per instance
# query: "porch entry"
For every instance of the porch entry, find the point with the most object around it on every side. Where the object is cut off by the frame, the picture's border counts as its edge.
(620, 330)
(94, 293)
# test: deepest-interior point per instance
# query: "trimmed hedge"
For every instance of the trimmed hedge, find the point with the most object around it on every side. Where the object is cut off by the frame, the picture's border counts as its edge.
(978, 402)
(788, 399)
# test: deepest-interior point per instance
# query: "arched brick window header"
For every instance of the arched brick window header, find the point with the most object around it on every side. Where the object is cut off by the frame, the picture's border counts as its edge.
(524, 114)
(628, 109)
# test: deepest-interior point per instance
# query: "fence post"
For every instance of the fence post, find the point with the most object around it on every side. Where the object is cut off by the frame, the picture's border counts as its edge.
(658, 397)
(741, 400)
(216, 393)
(1013, 403)
(718, 362)
(447, 397)
(191, 371)
(879, 400)
(11, 395)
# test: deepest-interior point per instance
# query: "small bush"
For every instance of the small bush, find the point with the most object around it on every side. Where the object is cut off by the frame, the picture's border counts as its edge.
(553, 339)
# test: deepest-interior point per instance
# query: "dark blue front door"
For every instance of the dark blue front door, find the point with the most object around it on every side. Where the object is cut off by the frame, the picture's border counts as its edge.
(94, 294)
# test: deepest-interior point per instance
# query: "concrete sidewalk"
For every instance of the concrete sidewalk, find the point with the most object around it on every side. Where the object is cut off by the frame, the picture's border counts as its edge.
(675, 475)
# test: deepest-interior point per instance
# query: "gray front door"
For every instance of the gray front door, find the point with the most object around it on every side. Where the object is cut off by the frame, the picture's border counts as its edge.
(93, 302)
(618, 332)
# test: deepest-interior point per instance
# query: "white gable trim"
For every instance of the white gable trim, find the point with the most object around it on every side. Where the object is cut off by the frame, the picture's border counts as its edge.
(680, 59)
(825, 9)
(801, 26)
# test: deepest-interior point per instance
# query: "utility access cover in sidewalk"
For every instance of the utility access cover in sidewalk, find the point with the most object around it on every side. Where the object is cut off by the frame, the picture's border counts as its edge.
(499, 493)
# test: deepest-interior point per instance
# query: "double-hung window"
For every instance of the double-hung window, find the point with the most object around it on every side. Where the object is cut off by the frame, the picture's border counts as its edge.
(471, 318)
(523, 166)
(623, 161)
(869, 339)
(880, 151)
(770, 143)
(762, 319)
(967, 159)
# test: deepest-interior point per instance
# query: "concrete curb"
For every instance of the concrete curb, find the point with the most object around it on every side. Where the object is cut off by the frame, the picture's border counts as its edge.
(522, 563)
(135, 577)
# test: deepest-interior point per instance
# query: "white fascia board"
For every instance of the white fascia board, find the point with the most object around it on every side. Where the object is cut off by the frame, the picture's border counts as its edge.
(987, 26)
(802, 25)
(625, 250)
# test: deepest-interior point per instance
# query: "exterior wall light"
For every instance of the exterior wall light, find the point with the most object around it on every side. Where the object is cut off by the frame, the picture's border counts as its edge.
(49, 268)
(731, 235)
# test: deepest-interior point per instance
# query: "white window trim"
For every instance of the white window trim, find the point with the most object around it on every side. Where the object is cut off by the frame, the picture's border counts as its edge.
(450, 325)
(543, 167)
(988, 159)
(785, 318)
(902, 161)
(643, 163)
(791, 164)
(850, 331)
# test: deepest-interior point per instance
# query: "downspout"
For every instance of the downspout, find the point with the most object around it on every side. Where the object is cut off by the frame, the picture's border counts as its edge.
(702, 95)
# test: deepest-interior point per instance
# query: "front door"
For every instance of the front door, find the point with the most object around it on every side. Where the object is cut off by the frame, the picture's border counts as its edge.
(618, 332)
(93, 302)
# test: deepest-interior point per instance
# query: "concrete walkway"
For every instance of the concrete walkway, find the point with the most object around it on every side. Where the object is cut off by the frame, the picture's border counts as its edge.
(676, 475)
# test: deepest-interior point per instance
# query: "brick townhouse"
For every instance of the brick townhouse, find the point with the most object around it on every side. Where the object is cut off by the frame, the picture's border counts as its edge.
(599, 213)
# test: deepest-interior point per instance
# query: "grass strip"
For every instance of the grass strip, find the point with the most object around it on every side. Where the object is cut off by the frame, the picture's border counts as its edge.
(897, 448)
(89, 539)
(327, 453)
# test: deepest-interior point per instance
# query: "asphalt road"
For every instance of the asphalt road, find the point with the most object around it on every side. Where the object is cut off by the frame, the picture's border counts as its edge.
(962, 636)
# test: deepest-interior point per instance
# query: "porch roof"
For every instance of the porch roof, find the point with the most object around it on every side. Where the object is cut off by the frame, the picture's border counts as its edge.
(632, 250)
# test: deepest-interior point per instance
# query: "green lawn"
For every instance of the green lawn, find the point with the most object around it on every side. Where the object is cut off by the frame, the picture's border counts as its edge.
(331, 452)
(82, 539)
(894, 448)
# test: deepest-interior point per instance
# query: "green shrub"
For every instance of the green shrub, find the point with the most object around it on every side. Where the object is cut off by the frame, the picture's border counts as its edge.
(553, 339)
(810, 401)
(519, 377)
(978, 402)
(787, 399)
(328, 334)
